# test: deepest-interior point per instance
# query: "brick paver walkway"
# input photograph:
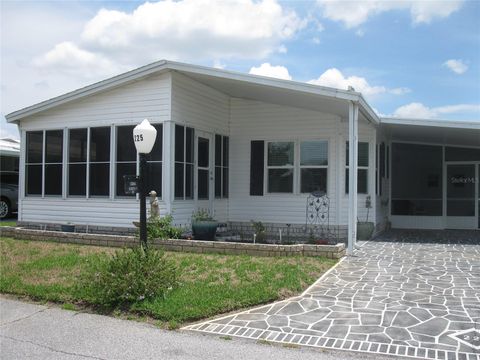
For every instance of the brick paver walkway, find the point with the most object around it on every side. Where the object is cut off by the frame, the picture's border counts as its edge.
(400, 298)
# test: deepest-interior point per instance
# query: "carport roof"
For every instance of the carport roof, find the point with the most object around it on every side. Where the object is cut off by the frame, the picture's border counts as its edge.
(447, 132)
(235, 84)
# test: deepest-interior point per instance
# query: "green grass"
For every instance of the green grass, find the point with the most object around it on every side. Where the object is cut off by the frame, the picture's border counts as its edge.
(209, 284)
(8, 223)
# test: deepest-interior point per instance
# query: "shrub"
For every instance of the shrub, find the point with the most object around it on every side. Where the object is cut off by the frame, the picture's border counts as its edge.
(162, 228)
(130, 275)
(259, 229)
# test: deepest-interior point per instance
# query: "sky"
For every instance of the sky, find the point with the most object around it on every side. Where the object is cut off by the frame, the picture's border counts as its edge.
(410, 59)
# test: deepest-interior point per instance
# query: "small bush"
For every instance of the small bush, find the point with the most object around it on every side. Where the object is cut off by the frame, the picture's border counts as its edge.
(162, 228)
(130, 275)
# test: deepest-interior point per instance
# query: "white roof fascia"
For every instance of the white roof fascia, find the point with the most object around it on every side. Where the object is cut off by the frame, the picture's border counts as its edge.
(87, 90)
(165, 65)
(369, 112)
(431, 122)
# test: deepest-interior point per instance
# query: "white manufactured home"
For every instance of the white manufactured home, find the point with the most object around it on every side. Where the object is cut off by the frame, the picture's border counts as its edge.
(247, 148)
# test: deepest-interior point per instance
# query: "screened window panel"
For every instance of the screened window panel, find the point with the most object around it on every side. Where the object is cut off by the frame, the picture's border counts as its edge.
(280, 180)
(218, 181)
(100, 144)
(53, 179)
(77, 149)
(189, 181)
(126, 150)
(179, 143)
(77, 181)
(154, 179)
(124, 169)
(218, 150)
(421, 194)
(280, 153)
(314, 153)
(34, 147)
(225, 151)
(203, 184)
(157, 151)
(54, 146)
(99, 179)
(313, 179)
(362, 154)
(225, 183)
(179, 180)
(462, 154)
(203, 155)
(189, 145)
(34, 179)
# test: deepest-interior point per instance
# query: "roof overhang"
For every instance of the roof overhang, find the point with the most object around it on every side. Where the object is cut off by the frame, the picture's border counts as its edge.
(447, 132)
(235, 84)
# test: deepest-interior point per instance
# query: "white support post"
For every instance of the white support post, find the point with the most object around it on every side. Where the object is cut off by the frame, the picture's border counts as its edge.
(352, 175)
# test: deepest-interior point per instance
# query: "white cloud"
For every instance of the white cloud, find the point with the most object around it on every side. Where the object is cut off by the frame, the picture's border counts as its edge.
(355, 13)
(334, 78)
(457, 66)
(68, 57)
(420, 111)
(279, 72)
(179, 30)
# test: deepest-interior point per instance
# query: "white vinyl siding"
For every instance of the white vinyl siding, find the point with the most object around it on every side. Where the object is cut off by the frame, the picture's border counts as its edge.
(202, 108)
(253, 120)
(125, 105)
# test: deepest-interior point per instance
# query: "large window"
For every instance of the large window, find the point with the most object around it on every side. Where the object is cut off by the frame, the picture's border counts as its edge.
(53, 162)
(43, 163)
(184, 157)
(280, 167)
(77, 162)
(34, 163)
(417, 180)
(313, 166)
(154, 160)
(221, 166)
(99, 163)
(126, 158)
(289, 173)
(362, 170)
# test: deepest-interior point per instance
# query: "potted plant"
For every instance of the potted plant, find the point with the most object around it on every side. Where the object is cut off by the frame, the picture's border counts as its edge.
(365, 229)
(204, 226)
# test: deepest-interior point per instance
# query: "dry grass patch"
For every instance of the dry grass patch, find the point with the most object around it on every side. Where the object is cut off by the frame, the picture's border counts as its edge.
(210, 284)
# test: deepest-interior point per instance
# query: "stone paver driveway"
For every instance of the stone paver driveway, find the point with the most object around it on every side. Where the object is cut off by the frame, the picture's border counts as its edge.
(404, 298)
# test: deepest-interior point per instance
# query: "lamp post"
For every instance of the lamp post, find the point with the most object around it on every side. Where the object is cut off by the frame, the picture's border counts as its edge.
(144, 136)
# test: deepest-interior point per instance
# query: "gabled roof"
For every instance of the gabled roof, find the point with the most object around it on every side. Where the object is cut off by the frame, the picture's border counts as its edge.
(207, 74)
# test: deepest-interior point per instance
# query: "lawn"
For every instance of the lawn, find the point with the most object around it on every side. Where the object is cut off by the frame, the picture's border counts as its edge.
(8, 223)
(210, 284)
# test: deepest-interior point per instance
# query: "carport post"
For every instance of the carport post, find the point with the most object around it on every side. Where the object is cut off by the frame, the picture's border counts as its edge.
(352, 175)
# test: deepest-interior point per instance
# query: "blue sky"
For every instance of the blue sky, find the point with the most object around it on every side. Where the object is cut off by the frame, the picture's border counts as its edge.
(409, 58)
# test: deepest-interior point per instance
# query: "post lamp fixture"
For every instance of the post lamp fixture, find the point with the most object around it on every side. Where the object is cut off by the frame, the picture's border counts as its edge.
(144, 136)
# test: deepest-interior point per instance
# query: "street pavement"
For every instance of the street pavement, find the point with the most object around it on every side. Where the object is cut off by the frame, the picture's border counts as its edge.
(31, 331)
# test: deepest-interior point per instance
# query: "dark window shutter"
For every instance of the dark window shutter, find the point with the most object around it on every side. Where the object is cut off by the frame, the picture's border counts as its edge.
(257, 149)
(382, 160)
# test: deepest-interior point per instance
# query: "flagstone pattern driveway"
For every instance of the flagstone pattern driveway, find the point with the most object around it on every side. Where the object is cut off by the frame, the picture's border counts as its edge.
(393, 297)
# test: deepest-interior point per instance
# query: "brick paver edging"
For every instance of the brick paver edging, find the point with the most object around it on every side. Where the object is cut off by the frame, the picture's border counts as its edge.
(330, 251)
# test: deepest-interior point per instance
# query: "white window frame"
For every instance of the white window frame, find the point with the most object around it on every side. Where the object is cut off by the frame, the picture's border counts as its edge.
(367, 168)
(296, 164)
(267, 167)
(300, 166)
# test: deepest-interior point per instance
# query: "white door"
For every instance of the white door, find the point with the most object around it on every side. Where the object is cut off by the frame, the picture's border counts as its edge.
(204, 171)
(462, 196)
